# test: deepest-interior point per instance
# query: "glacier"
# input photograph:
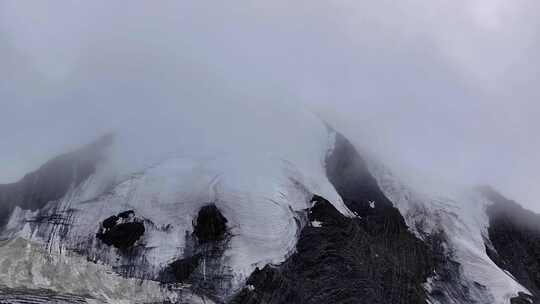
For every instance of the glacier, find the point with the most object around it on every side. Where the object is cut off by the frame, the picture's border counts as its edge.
(460, 214)
(124, 229)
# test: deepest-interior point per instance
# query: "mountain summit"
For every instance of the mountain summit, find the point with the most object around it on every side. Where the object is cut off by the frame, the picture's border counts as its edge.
(316, 222)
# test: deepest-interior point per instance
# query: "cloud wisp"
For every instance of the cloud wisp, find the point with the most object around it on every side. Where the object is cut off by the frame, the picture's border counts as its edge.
(445, 88)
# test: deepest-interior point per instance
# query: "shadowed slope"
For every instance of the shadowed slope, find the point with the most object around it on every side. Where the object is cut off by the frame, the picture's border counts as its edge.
(371, 258)
(52, 180)
(514, 233)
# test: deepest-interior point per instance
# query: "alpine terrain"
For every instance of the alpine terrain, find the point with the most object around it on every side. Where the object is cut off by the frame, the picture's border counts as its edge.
(304, 217)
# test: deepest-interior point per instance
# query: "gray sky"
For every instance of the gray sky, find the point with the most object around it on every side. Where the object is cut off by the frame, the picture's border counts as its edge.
(445, 88)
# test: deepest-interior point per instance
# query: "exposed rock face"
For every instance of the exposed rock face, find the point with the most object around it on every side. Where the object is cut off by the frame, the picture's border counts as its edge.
(371, 258)
(514, 233)
(211, 225)
(449, 286)
(350, 176)
(338, 261)
(53, 180)
(121, 235)
(155, 226)
(201, 264)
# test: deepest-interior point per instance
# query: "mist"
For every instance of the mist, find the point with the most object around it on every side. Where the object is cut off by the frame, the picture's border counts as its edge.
(446, 89)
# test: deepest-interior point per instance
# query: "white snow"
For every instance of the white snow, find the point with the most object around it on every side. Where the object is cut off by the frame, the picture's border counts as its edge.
(258, 188)
(460, 212)
(259, 177)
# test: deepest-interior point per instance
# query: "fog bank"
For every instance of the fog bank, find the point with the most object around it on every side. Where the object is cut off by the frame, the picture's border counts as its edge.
(447, 89)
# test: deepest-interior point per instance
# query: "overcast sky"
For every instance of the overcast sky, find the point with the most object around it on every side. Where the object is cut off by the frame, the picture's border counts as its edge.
(448, 89)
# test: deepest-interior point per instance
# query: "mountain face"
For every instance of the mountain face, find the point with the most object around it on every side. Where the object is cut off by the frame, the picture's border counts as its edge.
(324, 224)
(53, 180)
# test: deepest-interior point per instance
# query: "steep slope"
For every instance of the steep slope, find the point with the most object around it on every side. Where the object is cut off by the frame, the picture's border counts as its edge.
(299, 218)
(53, 180)
(370, 258)
(514, 240)
(338, 261)
(455, 221)
(147, 224)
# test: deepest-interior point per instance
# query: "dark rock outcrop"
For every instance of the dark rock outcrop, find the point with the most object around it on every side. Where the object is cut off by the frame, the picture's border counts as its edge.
(210, 225)
(201, 264)
(514, 235)
(110, 222)
(121, 235)
(341, 262)
(372, 258)
(349, 174)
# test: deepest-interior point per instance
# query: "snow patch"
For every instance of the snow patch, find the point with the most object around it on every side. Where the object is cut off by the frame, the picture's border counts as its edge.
(316, 224)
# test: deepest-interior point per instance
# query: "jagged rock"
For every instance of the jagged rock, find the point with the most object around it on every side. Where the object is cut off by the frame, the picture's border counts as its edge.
(348, 172)
(324, 213)
(372, 258)
(340, 262)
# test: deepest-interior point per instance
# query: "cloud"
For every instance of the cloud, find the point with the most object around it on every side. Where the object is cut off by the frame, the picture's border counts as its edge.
(446, 88)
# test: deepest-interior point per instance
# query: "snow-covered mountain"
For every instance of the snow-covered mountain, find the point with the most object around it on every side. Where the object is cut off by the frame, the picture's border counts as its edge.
(299, 218)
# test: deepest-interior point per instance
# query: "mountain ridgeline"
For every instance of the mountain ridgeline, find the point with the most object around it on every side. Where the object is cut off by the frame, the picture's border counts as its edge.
(52, 181)
(372, 254)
